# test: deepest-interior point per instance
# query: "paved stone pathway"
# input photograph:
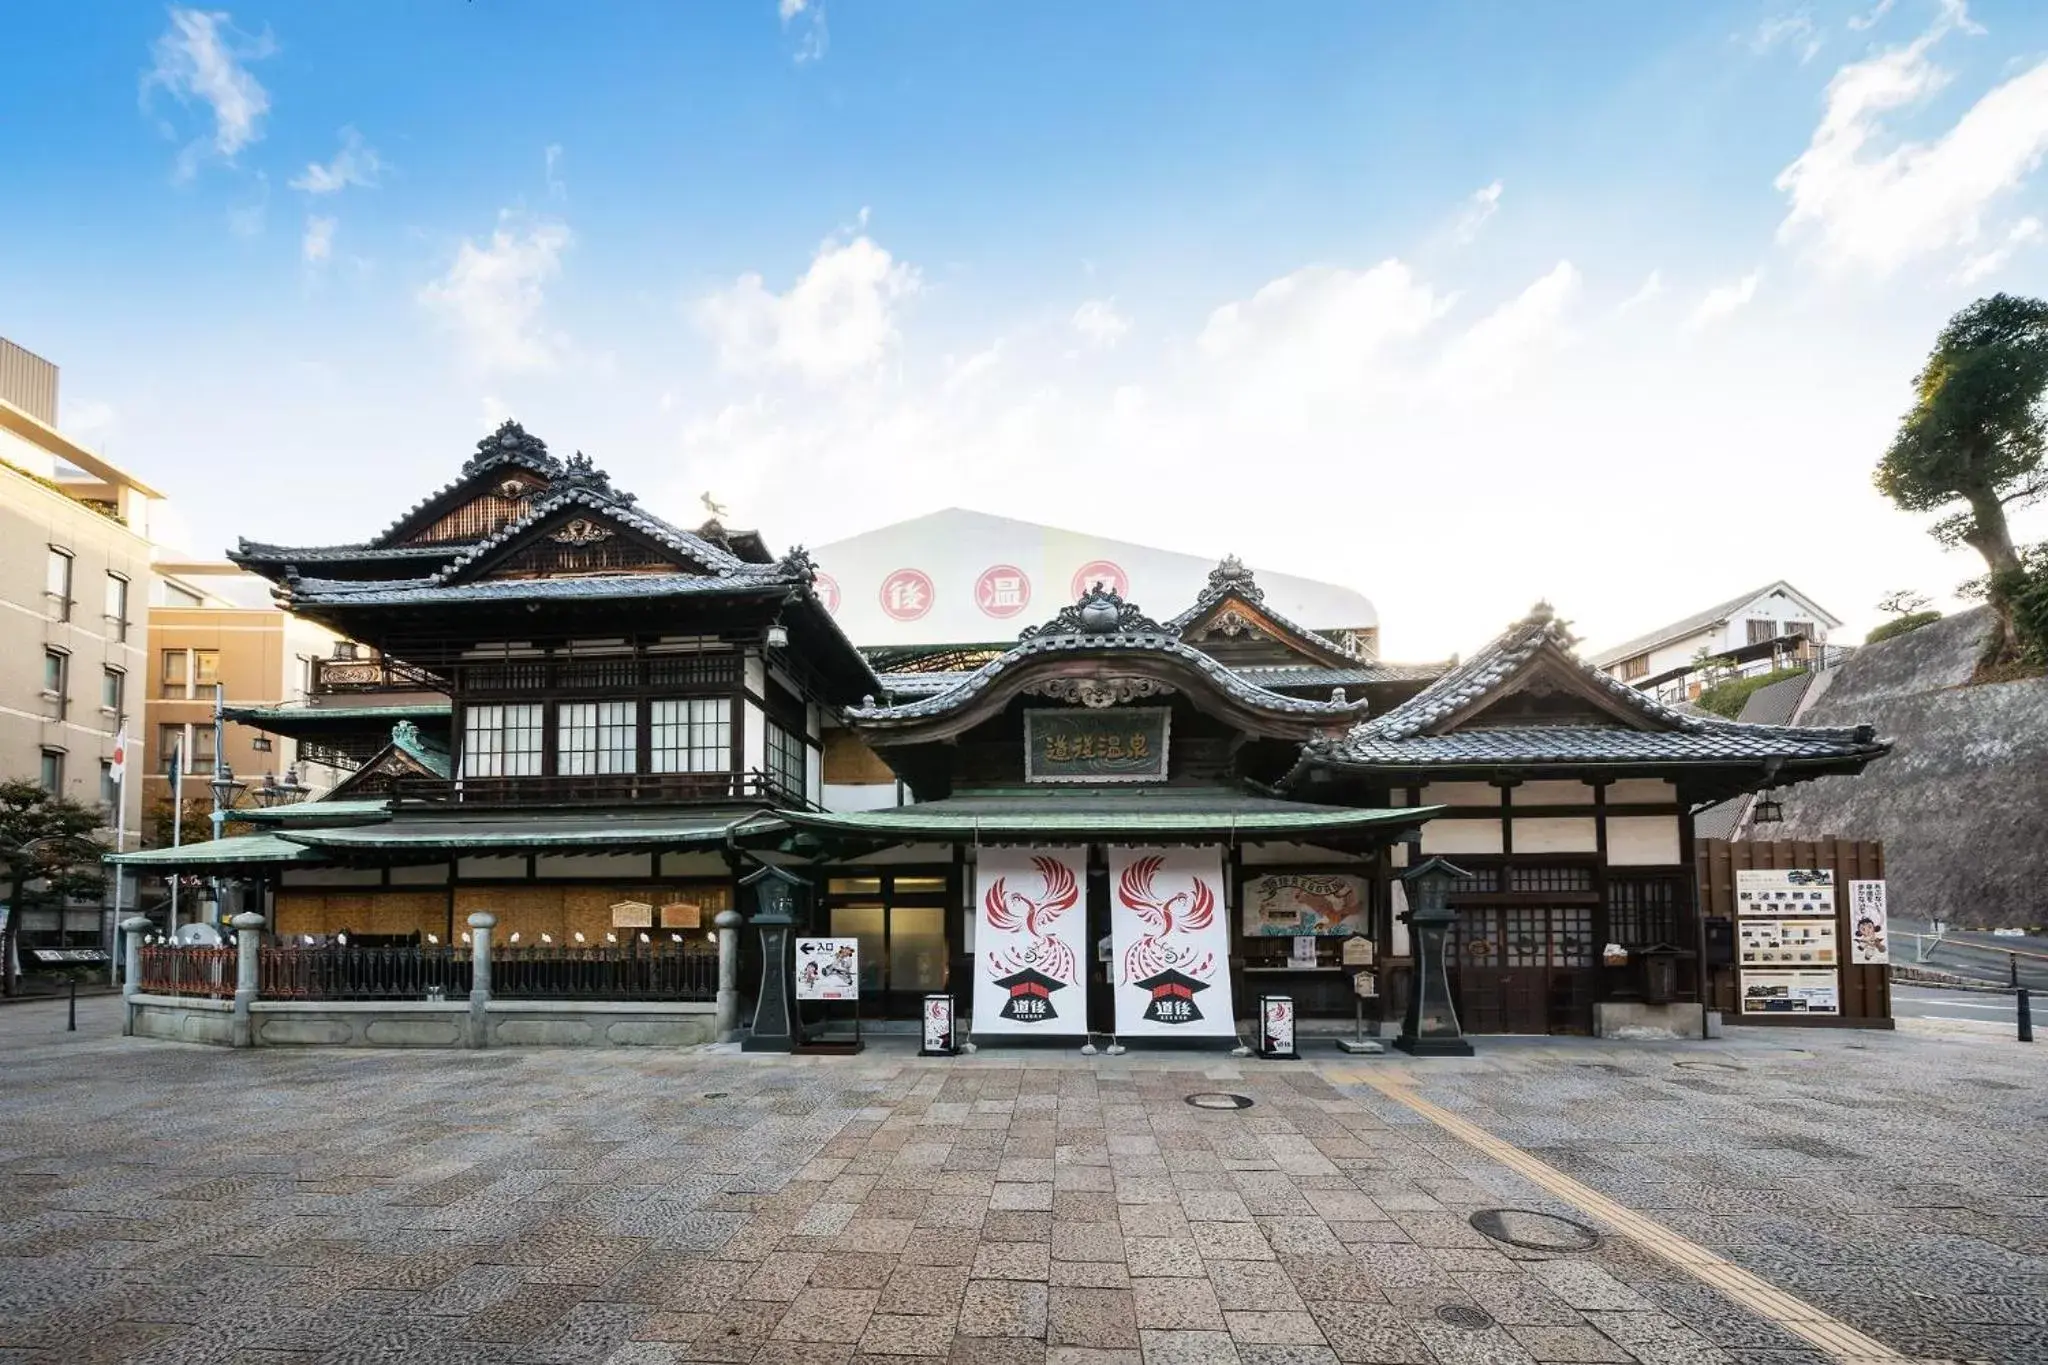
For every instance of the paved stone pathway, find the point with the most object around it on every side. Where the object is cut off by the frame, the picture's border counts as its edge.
(166, 1204)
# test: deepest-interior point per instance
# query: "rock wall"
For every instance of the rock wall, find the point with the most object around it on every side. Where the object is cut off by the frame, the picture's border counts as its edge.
(1961, 802)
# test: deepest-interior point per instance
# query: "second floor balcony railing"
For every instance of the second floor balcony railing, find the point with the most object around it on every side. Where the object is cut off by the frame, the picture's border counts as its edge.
(599, 789)
(341, 677)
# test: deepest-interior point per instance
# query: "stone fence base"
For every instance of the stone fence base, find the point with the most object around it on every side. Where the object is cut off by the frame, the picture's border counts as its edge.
(427, 1024)
(1633, 1019)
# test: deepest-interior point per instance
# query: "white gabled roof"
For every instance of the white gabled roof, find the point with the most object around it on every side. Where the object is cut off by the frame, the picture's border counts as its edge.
(1703, 620)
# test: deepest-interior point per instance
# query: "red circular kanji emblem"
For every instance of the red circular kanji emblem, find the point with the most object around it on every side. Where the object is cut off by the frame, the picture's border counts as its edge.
(827, 588)
(907, 594)
(1106, 572)
(1003, 590)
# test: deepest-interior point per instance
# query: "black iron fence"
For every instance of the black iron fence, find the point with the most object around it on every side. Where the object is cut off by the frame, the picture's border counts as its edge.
(355, 972)
(174, 969)
(626, 971)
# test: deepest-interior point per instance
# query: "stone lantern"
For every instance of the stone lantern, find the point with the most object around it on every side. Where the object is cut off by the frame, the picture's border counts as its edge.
(776, 1027)
(1431, 1026)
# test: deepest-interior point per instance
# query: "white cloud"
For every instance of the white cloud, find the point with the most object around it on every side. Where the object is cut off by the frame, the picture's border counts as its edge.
(1099, 323)
(1479, 210)
(1787, 30)
(1864, 206)
(492, 294)
(1860, 22)
(1725, 300)
(553, 157)
(807, 17)
(318, 243)
(837, 322)
(2025, 232)
(355, 163)
(1652, 286)
(199, 60)
(1493, 351)
(961, 373)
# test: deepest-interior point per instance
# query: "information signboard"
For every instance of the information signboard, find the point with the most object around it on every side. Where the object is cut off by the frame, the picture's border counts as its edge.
(1870, 935)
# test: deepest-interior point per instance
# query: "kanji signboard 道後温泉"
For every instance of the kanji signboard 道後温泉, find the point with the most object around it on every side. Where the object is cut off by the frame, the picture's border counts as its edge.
(1124, 744)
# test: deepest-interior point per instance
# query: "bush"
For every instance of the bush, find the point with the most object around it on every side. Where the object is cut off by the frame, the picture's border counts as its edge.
(2025, 595)
(1727, 698)
(1901, 625)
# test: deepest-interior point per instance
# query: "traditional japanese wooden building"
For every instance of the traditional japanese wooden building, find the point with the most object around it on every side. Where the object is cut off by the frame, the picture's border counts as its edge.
(561, 705)
(590, 721)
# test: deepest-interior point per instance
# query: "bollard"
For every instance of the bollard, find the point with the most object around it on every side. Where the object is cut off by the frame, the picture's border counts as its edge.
(2012, 970)
(132, 930)
(2026, 1014)
(726, 1022)
(248, 927)
(71, 1025)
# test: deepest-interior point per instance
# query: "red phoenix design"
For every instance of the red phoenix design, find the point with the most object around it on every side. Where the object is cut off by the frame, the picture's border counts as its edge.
(1015, 912)
(1183, 911)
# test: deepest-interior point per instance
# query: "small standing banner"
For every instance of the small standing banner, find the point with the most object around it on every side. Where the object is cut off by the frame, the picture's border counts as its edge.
(1869, 926)
(827, 971)
(1276, 1028)
(938, 1027)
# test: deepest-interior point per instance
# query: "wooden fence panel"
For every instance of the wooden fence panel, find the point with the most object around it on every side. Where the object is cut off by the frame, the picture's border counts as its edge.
(1866, 996)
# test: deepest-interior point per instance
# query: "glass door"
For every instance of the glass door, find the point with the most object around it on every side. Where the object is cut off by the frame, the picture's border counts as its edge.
(900, 922)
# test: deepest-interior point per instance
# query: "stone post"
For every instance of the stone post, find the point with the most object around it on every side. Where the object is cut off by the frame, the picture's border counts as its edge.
(132, 930)
(480, 925)
(248, 947)
(728, 1019)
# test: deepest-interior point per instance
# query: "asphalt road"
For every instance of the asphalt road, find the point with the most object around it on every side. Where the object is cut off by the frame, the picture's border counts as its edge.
(1983, 1007)
(1977, 956)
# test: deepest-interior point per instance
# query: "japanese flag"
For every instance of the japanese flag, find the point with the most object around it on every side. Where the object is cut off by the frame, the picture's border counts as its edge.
(118, 769)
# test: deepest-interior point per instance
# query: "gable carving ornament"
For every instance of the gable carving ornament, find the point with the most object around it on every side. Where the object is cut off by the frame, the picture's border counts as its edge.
(581, 531)
(1099, 692)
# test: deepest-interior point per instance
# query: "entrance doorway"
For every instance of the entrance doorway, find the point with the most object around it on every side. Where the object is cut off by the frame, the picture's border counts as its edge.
(1524, 968)
(900, 921)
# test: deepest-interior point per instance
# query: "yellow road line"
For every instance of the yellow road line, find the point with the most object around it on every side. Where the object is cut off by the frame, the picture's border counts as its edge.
(1829, 1335)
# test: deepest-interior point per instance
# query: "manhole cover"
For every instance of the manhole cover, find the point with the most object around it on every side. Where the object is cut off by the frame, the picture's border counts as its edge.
(1710, 1066)
(1216, 1099)
(1466, 1316)
(1534, 1231)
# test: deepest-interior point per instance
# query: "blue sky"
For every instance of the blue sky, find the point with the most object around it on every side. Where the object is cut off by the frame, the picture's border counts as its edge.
(1456, 304)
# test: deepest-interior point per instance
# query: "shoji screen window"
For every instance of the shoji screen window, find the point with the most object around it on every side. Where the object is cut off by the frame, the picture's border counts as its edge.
(690, 735)
(502, 741)
(596, 737)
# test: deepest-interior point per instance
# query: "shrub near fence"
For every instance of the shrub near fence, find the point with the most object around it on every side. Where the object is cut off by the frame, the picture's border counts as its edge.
(173, 969)
(627, 971)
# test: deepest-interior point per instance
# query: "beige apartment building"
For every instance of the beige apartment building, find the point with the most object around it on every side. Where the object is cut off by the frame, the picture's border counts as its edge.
(75, 583)
(204, 630)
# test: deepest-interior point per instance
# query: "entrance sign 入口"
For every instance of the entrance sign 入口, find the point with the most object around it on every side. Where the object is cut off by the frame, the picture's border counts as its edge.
(1030, 937)
(1869, 925)
(1171, 959)
(1123, 744)
(1294, 903)
(827, 968)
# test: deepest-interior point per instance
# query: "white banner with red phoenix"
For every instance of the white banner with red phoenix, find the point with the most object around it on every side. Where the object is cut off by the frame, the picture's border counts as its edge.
(1171, 941)
(1030, 940)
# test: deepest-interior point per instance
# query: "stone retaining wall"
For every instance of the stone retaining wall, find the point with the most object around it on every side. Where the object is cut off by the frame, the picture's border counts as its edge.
(427, 1024)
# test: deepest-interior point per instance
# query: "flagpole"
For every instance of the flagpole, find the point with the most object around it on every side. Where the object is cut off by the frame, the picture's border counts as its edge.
(177, 823)
(120, 846)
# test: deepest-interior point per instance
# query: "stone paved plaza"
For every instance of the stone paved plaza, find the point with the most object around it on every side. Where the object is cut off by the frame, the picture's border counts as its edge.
(165, 1203)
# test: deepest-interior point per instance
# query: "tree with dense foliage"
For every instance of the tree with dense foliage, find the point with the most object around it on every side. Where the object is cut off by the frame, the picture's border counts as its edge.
(47, 856)
(1976, 434)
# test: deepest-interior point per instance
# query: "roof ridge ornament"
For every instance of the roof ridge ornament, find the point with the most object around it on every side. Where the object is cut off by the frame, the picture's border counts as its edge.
(1099, 611)
(1230, 577)
(510, 442)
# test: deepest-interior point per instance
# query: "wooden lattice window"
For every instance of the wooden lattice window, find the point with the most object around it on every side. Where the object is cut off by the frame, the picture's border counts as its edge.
(1642, 911)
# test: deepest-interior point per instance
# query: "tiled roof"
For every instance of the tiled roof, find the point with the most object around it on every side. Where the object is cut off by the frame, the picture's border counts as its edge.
(1231, 578)
(341, 712)
(331, 554)
(237, 850)
(1085, 629)
(333, 592)
(1723, 741)
(612, 829)
(1358, 674)
(511, 445)
(596, 495)
(1160, 813)
(1536, 633)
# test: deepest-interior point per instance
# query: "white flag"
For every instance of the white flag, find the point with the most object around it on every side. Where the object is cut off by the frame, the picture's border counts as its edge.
(118, 769)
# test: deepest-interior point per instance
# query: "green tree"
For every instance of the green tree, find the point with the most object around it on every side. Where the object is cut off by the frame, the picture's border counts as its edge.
(1975, 435)
(195, 818)
(47, 855)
